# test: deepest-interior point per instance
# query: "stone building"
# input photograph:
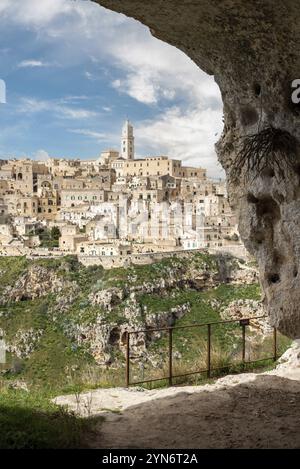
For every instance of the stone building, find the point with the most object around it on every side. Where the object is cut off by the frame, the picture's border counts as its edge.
(155, 203)
(70, 238)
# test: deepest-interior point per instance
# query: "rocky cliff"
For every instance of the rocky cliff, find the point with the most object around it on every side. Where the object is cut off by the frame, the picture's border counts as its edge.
(57, 315)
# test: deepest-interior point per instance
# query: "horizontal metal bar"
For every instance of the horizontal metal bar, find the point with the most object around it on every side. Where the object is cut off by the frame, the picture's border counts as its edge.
(190, 373)
(148, 381)
(259, 360)
(194, 325)
(201, 371)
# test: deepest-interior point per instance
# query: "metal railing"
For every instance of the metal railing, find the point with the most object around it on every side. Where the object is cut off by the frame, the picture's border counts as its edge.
(209, 369)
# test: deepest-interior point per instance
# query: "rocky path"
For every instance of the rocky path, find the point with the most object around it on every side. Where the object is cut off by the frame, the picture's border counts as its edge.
(242, 411)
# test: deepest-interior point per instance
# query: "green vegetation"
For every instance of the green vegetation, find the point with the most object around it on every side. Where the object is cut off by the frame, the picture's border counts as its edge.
(56, 362)
(49, 238)
(11, 268)
(31, 421)
(190, 344)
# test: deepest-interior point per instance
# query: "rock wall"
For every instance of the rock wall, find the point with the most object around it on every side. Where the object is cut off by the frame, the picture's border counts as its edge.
(37, 281)
(251, 49)
(109, 262)
(89, 310)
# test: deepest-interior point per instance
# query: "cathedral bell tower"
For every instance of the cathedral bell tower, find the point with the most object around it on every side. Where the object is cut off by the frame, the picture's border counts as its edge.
(127, 145)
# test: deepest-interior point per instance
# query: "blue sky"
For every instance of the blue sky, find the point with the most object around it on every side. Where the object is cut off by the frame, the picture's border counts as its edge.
(74, 71)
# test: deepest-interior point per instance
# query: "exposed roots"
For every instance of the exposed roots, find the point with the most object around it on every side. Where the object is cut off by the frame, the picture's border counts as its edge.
(270, 149)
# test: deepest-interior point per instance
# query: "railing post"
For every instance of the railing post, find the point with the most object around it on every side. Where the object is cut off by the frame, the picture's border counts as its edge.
(208, 350)
(275, 344)
(170, 356)
(127, 359)
(244, 343)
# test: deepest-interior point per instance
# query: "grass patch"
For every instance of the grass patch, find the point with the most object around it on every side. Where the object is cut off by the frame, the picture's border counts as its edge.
(10, 269)
(31, 421)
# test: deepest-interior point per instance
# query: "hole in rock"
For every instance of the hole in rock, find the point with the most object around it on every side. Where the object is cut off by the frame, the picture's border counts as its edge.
(297, 170)
(295, 273)
(114, 336)
(259, 237)
(268, 206)
(268, 173)
(257, 89)
(273, 278)
(252, 199)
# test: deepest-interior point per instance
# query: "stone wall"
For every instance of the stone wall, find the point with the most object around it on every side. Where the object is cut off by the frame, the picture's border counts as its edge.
(109, 262)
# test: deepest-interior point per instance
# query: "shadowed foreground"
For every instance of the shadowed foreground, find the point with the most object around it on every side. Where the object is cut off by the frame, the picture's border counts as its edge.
(264, 413)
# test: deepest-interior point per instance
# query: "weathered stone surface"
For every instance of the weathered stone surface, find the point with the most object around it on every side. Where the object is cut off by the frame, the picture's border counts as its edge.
(107, 298)
(251, 49)
(241, 309)
(24, 342)
(103, 337)
(38, 281)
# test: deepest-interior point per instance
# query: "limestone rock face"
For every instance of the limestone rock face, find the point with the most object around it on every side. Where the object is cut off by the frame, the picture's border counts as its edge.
(38, 281)
(251, 48)
(107, 298)
(241, 309)
(291, 358)
(102, 338)
(24, 342)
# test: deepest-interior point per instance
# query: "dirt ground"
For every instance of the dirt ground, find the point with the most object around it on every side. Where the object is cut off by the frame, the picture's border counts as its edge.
(264, 413)
(238, 411)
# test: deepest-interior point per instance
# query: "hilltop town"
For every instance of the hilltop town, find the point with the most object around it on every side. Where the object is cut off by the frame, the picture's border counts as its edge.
(112, 209)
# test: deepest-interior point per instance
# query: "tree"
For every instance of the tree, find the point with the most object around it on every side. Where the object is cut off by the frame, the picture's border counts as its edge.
(55, 233)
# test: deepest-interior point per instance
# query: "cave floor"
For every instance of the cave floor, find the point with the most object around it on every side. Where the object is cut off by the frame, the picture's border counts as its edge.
(241, 411)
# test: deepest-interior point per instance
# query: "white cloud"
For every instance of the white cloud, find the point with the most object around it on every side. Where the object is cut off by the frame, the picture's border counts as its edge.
(2, 92)
(76, 113)
(90, 133)
(32, 64)
(188, 136)
(41, 155)
(32, 105)
(34, 12)
(138, 86)
(74, 99)
(149, 68)
(88, 75)
(146, 69)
